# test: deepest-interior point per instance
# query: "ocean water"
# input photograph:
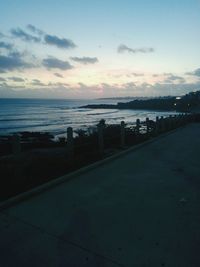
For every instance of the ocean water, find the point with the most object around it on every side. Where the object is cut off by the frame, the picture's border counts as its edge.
(54, 116)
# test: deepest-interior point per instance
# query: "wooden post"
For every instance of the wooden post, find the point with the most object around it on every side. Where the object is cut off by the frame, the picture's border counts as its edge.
(166, 122)
(147, 126)
(157, 128)
(182, 119)
(170, 122)
(16, 145)
(179, 120)
(175, 121)
(137, 127)
(122, 134)
(162, 124)
(70, 144)
(190, 118)
(185, 118)
(100, 137)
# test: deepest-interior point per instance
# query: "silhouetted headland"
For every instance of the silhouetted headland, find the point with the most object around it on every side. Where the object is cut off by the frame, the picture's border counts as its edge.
(187, 103)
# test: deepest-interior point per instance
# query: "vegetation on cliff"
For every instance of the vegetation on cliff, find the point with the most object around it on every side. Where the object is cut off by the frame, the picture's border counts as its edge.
(187, 103)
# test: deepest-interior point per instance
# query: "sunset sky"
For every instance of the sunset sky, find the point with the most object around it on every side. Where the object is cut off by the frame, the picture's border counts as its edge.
(91, 49)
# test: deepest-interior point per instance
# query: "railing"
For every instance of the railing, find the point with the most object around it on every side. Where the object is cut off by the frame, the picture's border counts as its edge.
(118, 136)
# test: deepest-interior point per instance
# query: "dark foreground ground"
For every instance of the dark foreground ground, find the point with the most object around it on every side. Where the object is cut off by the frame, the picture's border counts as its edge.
(141, 209)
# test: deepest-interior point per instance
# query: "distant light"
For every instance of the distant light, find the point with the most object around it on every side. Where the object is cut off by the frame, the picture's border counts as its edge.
(174, 104)
(178, 97)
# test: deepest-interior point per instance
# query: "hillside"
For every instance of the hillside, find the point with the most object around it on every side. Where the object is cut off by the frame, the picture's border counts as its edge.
(187, 103)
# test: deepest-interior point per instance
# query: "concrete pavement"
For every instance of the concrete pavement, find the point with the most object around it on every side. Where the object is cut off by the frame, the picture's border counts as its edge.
(141, 209)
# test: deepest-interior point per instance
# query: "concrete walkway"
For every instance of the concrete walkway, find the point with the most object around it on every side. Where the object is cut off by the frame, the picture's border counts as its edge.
(141, 209)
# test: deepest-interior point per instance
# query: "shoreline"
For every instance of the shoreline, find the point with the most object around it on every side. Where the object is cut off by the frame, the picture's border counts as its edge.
(60, 133)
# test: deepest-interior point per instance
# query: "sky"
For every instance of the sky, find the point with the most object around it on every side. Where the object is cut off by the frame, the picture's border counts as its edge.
(92, 49)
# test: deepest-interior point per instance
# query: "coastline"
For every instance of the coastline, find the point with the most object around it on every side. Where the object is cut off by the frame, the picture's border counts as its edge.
(52, 116)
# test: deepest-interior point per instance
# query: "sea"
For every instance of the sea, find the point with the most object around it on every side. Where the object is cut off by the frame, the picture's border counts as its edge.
(55, 115)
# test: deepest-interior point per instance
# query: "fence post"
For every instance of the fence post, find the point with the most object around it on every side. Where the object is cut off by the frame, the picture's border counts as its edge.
(162, 124)
(180, 120)
(185, 118)
(16, 145)
(170, 122)
(157, 127)
(122, 134)
(100, 137)
(175, 121)
(147, 126)
(166, 121)
(137, 127)
(190, 118)
(70, 144)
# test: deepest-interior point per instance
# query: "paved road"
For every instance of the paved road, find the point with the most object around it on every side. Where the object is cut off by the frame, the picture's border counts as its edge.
(141, 209)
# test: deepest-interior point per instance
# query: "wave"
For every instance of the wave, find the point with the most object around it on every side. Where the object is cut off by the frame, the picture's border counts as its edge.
(81, 110)
(24, 119)
(102, 113)
(16, 114)
(117, 118)
(55, 116)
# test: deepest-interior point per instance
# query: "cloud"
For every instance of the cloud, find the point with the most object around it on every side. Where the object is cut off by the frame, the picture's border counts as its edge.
(5, 45)
(35, 30)
(123, 48)
(126, 74)
(175, 89)
(59, 42)
(37, 82)
(58, 84)
(161, 74)
(12, 62)
(5, 86)
(85, 60)
(58, 75)
(130, 85)
(61, 90)
(41, 35)
(2, 79)
(197, 72)
(16, 79)
(54, 63)
(135, 74)
(2, 35)
(194, 73)
(44, 92)
(19, 33)
(171, 78)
